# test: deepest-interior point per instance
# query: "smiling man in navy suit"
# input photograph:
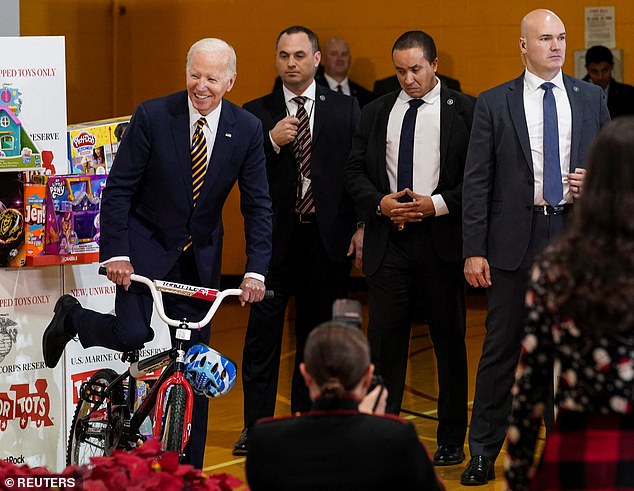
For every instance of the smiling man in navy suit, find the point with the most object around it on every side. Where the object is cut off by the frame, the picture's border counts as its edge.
(161, 220)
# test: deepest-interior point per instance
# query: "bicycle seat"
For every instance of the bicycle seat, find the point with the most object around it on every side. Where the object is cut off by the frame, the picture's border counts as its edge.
(209, 372)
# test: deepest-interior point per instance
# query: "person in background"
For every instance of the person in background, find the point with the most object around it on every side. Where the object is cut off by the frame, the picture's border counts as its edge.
(529, 144)
(599, 64)
(161, 214)
(307, 135)
(581, 315)
(336, 61)
(412, 239)
(338, 445)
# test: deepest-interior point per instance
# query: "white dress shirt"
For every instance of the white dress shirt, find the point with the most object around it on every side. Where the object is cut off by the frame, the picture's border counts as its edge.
(534, 111)
(426, 145)
(332, 83)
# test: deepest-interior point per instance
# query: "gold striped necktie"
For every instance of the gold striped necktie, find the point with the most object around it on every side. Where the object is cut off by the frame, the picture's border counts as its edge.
(199, 163)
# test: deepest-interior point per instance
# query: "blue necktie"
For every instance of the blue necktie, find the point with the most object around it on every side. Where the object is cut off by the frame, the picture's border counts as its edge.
(553, 191)
(405, 171)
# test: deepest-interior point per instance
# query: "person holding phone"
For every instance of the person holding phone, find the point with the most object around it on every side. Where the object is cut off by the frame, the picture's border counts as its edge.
(313, 450)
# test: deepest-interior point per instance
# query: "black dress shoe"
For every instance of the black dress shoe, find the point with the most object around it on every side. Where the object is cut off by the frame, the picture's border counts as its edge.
(55, 335)
(479, 471)
(446, 455)
(240, 447)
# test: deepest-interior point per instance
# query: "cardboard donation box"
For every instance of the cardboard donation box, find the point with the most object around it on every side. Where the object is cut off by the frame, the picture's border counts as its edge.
(72, 213)
(92, 146)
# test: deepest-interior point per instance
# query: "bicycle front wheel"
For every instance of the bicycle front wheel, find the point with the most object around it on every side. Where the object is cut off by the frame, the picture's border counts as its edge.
(174, 419)
(94, 431)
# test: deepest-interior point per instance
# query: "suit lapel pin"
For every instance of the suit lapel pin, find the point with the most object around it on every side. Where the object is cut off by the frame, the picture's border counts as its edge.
(450, 102)
(576, 88)
(322, 97)
(228, 135)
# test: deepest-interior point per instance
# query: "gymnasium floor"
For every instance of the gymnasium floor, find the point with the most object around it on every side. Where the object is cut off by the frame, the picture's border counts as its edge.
(225, 416)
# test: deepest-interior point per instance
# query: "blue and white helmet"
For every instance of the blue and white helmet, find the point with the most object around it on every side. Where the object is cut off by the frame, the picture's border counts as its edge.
(208, 372)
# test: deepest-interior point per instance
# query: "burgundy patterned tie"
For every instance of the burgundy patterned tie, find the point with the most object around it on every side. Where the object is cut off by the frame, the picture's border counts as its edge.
(302, 147)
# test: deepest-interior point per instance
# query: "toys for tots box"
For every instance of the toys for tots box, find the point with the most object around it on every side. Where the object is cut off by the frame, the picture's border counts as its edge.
(72, 213)
(92, 146)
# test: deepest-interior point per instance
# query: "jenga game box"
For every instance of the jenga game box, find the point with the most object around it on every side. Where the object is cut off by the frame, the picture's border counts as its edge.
(12, 251)
(35, 218)
(72, 213)
(92, 146)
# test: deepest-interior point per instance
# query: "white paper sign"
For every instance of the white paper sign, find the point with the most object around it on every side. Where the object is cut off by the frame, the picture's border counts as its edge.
(33, 87)
(600, 27)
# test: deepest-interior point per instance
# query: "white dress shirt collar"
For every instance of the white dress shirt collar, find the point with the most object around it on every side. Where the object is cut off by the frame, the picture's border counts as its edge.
(533, 82)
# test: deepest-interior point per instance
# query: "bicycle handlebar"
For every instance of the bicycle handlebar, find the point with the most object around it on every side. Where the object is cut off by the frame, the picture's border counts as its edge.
(156, 287)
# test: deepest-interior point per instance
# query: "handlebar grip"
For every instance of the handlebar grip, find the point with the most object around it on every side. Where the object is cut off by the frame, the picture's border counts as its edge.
(269, 294)
(102, 270)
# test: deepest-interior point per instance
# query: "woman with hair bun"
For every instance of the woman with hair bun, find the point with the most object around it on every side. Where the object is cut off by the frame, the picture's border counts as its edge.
(336, 445)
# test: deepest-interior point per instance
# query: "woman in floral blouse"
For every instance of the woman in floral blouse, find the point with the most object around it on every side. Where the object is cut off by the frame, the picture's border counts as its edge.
(581, 313)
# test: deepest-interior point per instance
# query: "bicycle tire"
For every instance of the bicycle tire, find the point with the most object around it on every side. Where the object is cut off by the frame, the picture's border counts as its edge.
(174, 419)
(93, 434)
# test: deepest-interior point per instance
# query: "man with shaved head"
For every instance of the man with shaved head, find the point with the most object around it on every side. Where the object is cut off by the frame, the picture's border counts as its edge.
(524, 170)
(336, 62)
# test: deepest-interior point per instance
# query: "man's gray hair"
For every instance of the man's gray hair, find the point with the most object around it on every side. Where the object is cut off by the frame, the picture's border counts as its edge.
(212, 47)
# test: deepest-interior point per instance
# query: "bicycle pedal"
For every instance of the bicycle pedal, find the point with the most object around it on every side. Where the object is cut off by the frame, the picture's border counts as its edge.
(92, 392)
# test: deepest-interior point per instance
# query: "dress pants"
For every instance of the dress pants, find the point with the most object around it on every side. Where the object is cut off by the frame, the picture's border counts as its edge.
(411, 270)
(316, 281)
(502, 344)
(130, 328)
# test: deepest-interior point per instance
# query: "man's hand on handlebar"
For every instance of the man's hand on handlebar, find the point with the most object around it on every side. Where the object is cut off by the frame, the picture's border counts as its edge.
(119, 272)
(252, 291)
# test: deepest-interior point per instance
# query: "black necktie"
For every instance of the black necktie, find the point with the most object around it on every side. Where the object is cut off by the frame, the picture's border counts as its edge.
(405, 171)
(339, 89)
(553, 190)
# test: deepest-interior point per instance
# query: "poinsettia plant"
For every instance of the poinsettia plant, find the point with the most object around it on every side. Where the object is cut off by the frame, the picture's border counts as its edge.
(146, 468)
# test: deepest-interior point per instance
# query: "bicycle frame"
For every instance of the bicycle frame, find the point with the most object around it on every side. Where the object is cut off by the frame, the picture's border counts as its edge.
(173, 359)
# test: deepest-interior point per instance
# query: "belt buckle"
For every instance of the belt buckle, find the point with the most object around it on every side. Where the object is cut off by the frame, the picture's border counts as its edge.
(301, 219)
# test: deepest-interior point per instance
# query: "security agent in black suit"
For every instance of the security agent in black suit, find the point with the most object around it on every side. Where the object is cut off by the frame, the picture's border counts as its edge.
(336, 62)
(600, 63)
(412, 237)
(310, 244)
(507, 219)
(390, 84)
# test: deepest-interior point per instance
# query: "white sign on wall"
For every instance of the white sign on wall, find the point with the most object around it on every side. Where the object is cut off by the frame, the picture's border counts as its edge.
(33, 103)
(600, 27)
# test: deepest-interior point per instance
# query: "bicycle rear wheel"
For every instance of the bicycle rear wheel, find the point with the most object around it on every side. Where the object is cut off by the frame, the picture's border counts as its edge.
(174, 419)
(95, 431)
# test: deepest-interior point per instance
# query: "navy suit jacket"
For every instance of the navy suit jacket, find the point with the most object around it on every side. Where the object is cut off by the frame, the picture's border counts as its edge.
(148, 213)
(499, 182)
(336, 118)
(367, 179)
